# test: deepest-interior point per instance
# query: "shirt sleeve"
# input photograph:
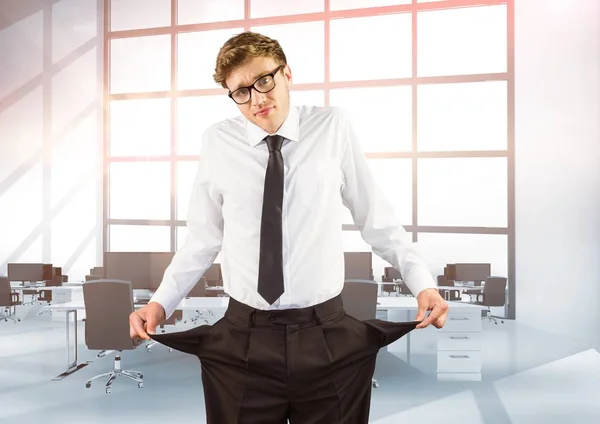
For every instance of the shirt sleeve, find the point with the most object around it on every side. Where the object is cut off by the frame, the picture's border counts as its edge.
(375, 217)
(202, 245)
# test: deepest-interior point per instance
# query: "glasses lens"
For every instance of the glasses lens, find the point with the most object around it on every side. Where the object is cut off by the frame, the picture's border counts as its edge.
(265, 84)
(241, 95)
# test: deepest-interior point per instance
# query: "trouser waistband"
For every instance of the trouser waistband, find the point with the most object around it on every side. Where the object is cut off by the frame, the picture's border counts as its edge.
(251, 316)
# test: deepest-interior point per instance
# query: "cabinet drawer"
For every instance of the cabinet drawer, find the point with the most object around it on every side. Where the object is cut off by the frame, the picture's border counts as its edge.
(459, 341)
(459, 376)
(459, 361)
(462, 322)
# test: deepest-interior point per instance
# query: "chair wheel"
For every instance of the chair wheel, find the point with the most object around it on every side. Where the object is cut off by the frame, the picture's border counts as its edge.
(108, 390)
(141, 375)
(140, 385)
(88, 385)
(375, 385)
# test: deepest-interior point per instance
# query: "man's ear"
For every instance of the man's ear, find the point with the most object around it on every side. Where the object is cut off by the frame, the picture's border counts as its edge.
(287, 71)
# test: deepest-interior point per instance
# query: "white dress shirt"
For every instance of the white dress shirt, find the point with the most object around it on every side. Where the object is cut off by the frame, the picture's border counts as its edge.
(324, 168)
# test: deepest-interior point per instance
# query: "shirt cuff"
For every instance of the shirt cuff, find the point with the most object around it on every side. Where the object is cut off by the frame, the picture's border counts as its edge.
(418, 280)
(168, 302)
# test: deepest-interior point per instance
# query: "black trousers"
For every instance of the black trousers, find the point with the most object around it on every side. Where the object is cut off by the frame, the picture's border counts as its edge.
(309, 366)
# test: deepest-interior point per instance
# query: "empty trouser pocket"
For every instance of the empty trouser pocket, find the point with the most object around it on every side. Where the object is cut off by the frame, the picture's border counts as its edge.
(188, 341)
(389, 331)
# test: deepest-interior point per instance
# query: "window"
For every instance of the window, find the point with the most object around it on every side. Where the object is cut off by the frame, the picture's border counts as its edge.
(441, 249)
(435, 97)
(140, 238)
(305, 54)
(140, 127)
(381, 116)
(140, 190)
(394, 177)
(462, 116)
(196, 56)
(127, 14)
(462, 192)
(140, 64)
(358, 4)
(470, 40)
(203, 11)
(307, 97)
(385, 50)
(267, 8)
(195, 115)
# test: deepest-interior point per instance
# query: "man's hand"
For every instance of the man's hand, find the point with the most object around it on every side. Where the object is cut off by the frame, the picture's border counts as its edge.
(144, 321)
(430, 300)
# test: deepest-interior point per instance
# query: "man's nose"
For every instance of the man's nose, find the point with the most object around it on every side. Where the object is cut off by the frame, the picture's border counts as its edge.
(258, 98)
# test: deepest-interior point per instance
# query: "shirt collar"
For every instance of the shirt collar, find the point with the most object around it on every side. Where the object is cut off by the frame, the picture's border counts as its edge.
(290, 129)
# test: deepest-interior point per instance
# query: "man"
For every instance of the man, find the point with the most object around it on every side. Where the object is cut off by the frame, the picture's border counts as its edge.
(269, 194)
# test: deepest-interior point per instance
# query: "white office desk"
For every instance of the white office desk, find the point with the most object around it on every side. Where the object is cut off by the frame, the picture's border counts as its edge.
(459, 351)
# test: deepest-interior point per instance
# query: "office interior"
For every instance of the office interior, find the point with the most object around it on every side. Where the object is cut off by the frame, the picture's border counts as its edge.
(480, 120)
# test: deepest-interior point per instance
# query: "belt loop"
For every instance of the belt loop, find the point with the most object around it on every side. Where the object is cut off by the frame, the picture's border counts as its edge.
(251, 318)
(317, 317)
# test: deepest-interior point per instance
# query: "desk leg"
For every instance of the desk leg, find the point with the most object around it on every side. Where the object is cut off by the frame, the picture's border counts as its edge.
(72, 365)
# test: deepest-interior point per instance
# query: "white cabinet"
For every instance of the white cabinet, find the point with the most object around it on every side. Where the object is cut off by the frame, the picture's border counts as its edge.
(459, 346)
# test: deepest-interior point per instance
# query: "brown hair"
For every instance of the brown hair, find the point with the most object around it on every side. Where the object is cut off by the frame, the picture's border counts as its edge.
(241, 47)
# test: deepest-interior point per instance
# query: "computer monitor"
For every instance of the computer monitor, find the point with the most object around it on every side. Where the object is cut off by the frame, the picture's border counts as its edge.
(472, 272)
(27, 272)
(145, 270)
(358, 265)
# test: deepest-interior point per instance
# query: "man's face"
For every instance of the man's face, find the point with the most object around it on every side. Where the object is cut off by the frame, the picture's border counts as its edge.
(266, 110)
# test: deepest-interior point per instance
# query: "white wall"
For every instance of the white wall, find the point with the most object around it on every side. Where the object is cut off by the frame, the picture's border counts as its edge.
(557, 66)
(50, 127)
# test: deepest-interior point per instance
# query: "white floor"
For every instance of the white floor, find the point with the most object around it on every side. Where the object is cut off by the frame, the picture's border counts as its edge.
(529, 376)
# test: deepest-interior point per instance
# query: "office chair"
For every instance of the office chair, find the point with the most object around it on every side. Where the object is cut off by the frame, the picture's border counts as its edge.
(387, 279)
(494, 294)
(46, 295)
(108, 304)
(448, 294)
(90, 277)
(8, 301)
(359, 298)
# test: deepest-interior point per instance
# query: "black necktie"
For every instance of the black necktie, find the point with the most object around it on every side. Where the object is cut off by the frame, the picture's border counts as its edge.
(270, 269)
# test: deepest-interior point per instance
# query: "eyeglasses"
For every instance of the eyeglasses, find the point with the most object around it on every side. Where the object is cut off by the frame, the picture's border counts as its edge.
(263, 85)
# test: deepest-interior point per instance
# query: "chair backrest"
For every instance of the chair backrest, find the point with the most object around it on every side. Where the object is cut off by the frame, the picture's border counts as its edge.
(392, 273)
(199, 290)
(92, 277)
(5, 292)
(360, 299)
(57, 280)
(358, 265)
(494, 291)
(108, 304)
(442, 280)
(97, 270)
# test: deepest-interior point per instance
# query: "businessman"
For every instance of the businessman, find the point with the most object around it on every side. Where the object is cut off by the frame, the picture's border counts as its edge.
(268, 194)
